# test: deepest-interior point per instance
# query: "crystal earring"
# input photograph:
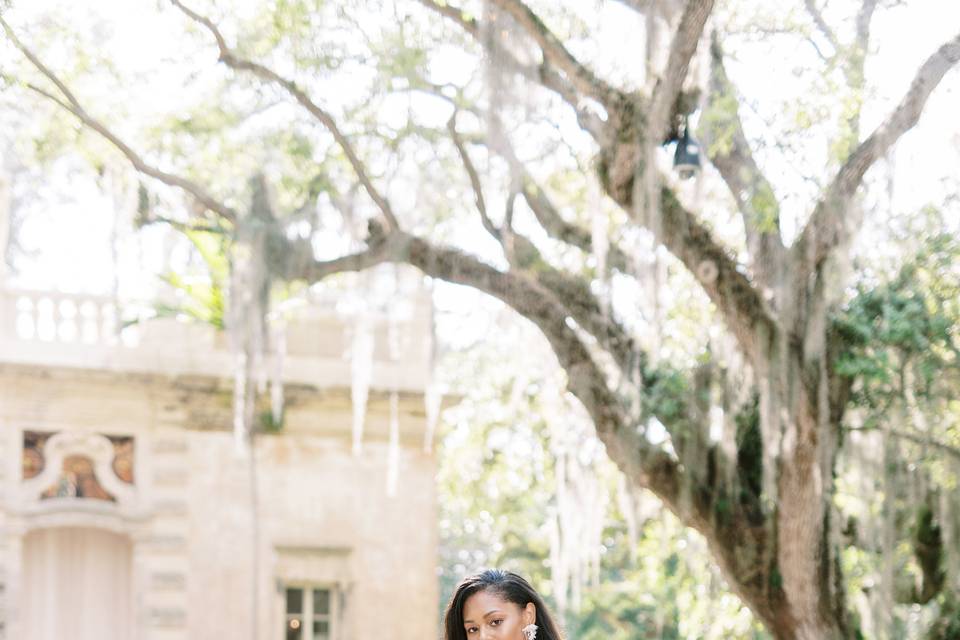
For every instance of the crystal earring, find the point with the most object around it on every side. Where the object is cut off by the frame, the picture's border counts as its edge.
(530, 632)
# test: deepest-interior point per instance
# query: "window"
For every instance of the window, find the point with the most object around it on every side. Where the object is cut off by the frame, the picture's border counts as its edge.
(312, 599)
(309, 613)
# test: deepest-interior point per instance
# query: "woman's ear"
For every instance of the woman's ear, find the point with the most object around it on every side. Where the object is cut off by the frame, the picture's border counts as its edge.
(529, 614)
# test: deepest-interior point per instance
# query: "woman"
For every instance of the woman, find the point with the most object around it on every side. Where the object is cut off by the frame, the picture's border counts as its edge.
(498, 605)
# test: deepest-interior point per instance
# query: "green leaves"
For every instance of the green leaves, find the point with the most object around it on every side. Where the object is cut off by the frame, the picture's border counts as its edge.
(765, 209)
(666, 394)
(202, 300)
(719, 119)
(910, 320)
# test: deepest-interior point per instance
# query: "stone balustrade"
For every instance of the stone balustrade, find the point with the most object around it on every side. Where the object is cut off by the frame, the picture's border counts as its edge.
(60, 317)
(87, 331)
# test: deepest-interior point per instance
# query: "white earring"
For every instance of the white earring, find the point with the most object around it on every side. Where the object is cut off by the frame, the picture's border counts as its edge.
(530, 632)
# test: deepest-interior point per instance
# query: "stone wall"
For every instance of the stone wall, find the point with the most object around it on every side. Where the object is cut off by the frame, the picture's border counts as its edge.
(324, 514)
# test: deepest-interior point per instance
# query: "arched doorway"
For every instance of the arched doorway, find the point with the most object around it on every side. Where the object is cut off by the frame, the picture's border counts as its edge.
(77, 585)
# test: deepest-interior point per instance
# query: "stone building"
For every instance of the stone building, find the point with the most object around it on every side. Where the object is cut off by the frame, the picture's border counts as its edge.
(127, 511)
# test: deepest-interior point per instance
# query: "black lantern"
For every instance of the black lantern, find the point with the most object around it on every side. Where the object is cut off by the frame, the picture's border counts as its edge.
(686, 159)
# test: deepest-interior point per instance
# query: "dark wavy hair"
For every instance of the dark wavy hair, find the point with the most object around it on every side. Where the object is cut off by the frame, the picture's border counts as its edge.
(508, 586)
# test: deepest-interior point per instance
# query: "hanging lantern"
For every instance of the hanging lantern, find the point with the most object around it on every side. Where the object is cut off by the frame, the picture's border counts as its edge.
(686, 159)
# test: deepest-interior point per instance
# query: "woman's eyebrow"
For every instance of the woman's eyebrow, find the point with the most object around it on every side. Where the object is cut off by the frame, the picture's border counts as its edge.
(486, 615)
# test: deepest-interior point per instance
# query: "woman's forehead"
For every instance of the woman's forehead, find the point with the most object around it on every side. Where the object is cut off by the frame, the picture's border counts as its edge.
(482, 602)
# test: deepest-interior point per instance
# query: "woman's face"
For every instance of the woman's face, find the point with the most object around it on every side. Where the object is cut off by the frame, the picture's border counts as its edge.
(487, 616)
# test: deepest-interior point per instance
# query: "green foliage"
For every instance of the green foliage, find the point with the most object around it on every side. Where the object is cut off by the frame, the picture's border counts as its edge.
(400, 62)
(847, 138)
(898, 339)
(718, 120)
(666, 393)
(912, 319)
(766, 211)
(269, 424)
(494, 486)
(203, 299)
(289, 27)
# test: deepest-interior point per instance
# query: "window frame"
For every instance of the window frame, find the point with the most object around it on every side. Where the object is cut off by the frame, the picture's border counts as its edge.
(308, 615)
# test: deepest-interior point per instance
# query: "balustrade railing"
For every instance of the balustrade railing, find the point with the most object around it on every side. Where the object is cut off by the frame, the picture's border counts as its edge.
(56, 328)
(60, 317)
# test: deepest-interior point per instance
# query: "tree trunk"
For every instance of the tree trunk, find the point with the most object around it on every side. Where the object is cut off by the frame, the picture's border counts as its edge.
(777, 551)
(805, 598)
(772, 531)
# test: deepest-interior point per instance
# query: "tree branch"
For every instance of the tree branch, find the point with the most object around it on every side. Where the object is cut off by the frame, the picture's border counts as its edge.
(509, 209)
(730, 152)
(466, 22)
(826, 228)
(183, 227)
(926, 440)
(549, 216)
(474, 179)
(640, 6)
(653, 467)
(539, 202)
(682, 48)
(856, 63)
(718, 273)
(864, 17)
(571, 294)
(575, 296)
(264, 73)
(71, 104)
(916, 438)
(821, 24)
(582, 78)
(646, 464)
(542, 75)
(559, 229)
(585, 314)
(721, 277)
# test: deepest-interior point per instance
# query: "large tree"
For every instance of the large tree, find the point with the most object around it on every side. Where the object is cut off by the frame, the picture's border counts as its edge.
(763, 500)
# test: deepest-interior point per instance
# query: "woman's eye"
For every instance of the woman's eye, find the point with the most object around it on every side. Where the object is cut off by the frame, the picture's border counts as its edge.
(496, 622)
(472, 630)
